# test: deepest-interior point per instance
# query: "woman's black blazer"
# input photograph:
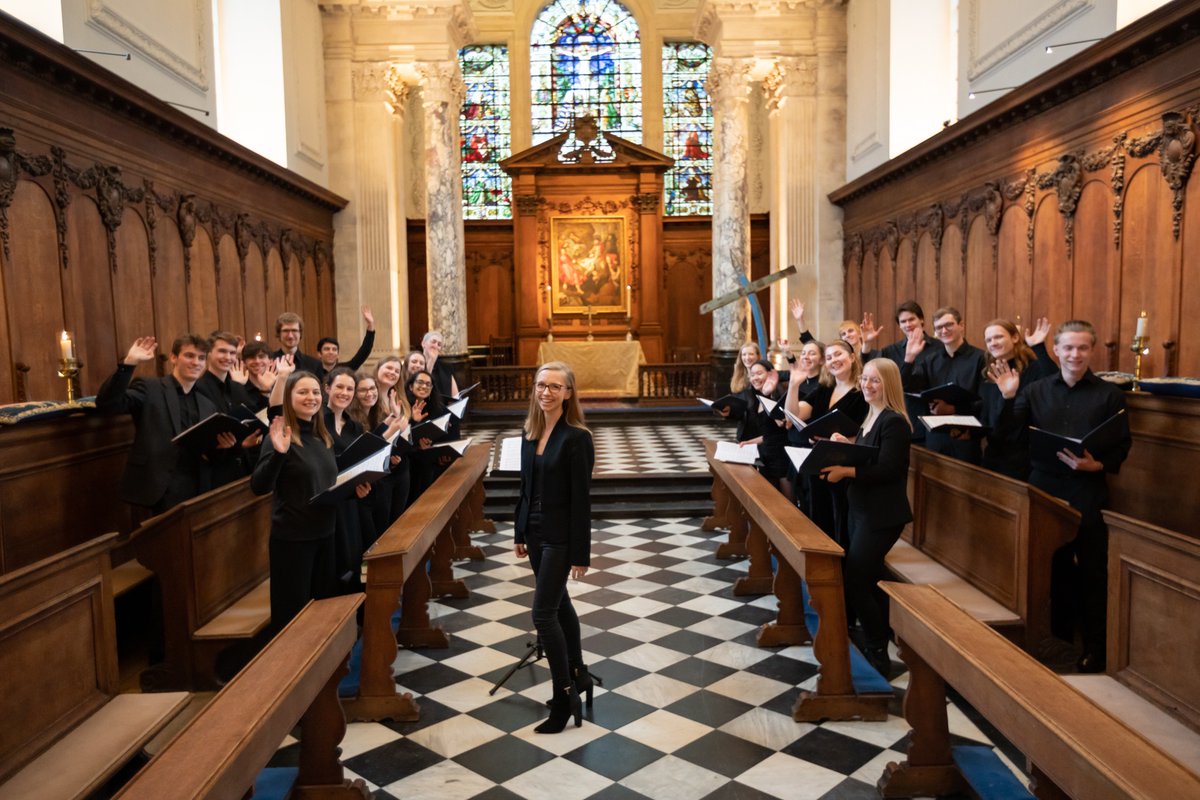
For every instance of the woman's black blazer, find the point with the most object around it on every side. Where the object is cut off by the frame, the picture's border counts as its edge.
(566, 490)
(878, 493)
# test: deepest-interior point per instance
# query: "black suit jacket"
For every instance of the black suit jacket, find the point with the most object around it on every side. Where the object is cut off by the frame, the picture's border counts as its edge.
(566, 490)
(154, 460)
(879, 492)
(304, 363)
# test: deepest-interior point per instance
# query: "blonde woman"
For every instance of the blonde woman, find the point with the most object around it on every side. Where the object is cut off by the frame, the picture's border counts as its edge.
(554, 528)
(878, 500)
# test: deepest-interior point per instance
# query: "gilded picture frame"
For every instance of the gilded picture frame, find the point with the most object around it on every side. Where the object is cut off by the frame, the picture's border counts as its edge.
(589, 265)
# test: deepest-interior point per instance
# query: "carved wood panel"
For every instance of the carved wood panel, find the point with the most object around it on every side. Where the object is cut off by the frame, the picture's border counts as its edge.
(1150, 278)
(33, 290)
(952, 278)
(88, 295)
(1051, 282)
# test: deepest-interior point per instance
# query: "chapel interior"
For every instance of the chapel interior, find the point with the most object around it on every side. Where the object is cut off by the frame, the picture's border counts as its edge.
(597, 182)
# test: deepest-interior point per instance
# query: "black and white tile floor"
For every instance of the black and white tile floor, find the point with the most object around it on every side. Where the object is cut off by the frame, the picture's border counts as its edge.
(637, 449)
(690, 708)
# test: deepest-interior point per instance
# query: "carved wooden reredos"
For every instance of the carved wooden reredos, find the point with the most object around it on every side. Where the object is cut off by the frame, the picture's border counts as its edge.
(1069, 198)
(120, 217)
(625, 182)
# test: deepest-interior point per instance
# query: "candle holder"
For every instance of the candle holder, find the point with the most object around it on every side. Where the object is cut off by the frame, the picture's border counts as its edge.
(68, 368)
(628, 328)
(550, 328)
(589, 336)
(1140, 346)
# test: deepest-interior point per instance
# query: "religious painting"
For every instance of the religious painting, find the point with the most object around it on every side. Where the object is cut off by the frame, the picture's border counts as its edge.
(588, 265)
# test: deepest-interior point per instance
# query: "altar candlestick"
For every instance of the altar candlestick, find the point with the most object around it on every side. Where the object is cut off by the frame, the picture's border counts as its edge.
(66, 347)
(1141, 326)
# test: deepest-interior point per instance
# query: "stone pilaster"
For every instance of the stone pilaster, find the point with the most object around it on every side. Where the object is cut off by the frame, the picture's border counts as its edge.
(830, 161)
(729, 88)
(442, 93)
(790, 89)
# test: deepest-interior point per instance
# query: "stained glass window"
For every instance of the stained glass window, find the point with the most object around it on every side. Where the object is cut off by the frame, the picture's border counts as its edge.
(687, 128)
(586, 57)
(485, 133)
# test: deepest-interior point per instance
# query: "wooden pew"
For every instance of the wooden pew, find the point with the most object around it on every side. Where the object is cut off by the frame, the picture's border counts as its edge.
(1152, 682)
(66, 730)
(293, 680)
(1077, 748)
(984, 540)
(804, 551)
(396, 565)
(210, 555)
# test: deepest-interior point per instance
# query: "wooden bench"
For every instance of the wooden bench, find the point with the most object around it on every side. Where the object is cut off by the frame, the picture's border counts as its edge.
(221, 752)
(1076, 747)
(1152, 682)
(985, 541)
(804, 551)
(413, 558)
(210, 555)
(66, 730)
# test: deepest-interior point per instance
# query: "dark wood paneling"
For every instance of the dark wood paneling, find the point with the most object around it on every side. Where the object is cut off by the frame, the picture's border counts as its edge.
(169, 283)
(277, 301)
(1096, 279)
(886, 283)
(1188, 345)
(88, 288)
(870, 291)
(906, 286)
(306, 274)
(33, 290)
(295, 298)
(255, 294)
(952, 286)
(1014, 271)
(204, 314)
(980, 275)
(1150, 279)
(1051, 287)
(925, 288)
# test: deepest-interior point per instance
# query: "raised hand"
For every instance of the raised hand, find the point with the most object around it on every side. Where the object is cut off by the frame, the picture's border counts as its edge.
(141, 350)
(1007, 379)
(797, 309)
(285, 365)
(1040, 331)
(418, 411)
(281, 435)
(914, 345)
(395, 424)
(369, 317)
(266, 379)
(239, 373)
(869, 330)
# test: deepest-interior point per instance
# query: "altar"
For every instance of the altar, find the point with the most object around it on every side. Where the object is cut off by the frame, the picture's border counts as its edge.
(603, 369)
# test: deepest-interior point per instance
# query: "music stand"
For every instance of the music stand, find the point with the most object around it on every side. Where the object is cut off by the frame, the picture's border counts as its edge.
(533, 655)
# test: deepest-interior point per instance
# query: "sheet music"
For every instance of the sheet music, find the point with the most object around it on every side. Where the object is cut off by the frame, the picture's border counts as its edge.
(797, 455)
(456, 408)
(734, 453)
(768, 405)
(796, 421)
(510, 454)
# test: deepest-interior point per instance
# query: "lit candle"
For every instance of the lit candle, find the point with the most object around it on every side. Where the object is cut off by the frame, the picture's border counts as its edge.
(629, 297)
(1141, 326)
(258, 336)
(66, 347)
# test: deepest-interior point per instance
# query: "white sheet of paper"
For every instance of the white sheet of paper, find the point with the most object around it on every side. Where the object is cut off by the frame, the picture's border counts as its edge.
(510, 454)
(374, 462)
(706, 401)
(442, 422)
(768, 404)
(797, 454)
(459, 445)
(953, 420)
(734, 453)
(457, 407)
(796, 421)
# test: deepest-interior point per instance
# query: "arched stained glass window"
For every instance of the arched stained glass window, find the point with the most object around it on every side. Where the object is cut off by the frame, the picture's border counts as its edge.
(687, 128)
(586, 57)
(485, 132)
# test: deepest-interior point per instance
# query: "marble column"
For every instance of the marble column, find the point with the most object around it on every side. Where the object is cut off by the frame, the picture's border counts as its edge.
(729, 88)
(790, 89)
(442, 93)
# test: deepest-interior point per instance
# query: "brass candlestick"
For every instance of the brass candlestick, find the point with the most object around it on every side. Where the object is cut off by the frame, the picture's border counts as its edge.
(68, 368)
(1140, 347)
(589, 336)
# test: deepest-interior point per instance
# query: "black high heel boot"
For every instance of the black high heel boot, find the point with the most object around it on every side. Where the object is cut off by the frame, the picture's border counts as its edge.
(564, 705)
(584, 681)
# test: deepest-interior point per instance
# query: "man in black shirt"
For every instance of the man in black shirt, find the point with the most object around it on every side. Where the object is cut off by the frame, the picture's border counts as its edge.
(1073, 403)
(910, 317)
(289, 327)
(328, 349)
(952, 360)
(224, 382)
(158, 473)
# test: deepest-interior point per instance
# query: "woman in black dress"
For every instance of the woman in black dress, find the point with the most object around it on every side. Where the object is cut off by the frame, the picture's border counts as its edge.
(355, 527)
(391, 491)
(1008, 352)
(839, 389)
(773, 436)
(428, 462)
(879, 509)
(554, 527)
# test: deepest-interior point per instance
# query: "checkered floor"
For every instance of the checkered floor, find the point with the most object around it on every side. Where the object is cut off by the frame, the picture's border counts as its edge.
(624, 449)
(690, 708)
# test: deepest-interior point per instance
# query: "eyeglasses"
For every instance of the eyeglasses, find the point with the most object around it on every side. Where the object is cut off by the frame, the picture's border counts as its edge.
(422, 383)
(945, 326)
(552, 388)
(289, 330)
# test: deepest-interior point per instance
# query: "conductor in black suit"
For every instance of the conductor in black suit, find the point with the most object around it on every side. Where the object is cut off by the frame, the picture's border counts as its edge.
(554, 526)
(159, 473)
(878, 501)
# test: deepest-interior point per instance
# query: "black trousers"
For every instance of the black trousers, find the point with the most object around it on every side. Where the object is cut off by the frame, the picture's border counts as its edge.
(864, 568)
(300, 571)
(554, 617)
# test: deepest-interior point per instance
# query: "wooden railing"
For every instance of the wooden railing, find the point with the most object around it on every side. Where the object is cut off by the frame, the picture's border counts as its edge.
(655, 382)
(671, 381)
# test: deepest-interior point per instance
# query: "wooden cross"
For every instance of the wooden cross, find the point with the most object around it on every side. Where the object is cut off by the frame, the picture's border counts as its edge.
(747, 290)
